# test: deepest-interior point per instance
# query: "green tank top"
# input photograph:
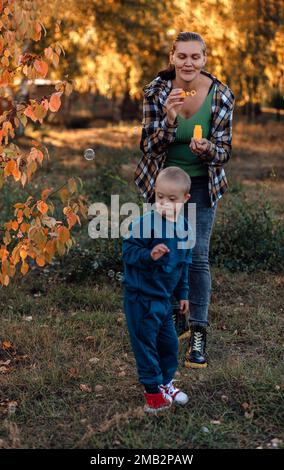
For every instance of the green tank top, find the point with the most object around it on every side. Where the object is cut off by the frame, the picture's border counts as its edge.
(178, 152)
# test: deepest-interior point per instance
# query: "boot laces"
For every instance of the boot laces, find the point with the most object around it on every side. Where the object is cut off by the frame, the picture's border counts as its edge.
(197, 341)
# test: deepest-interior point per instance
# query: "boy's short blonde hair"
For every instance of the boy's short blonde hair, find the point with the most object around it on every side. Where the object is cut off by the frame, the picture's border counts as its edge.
(178, 175)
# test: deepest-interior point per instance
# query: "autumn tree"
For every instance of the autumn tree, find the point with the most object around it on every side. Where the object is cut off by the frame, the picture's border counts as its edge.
(32, 234)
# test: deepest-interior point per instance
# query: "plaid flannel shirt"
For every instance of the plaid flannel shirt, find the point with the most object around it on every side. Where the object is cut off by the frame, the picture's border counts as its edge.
(157, 134)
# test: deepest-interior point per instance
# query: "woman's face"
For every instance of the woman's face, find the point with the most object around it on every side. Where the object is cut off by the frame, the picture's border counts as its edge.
(188, 60)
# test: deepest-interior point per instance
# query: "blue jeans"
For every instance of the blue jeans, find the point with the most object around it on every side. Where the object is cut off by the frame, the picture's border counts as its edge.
(199, 271)
(153, 337)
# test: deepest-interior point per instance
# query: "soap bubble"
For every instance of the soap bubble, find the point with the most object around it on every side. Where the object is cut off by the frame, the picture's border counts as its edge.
(111, 273)
(89, 154)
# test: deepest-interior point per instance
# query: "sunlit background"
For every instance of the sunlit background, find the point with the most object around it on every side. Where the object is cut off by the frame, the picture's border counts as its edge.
(114, 47)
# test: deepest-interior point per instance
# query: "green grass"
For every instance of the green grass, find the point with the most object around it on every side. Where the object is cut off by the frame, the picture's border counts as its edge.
(72, 324)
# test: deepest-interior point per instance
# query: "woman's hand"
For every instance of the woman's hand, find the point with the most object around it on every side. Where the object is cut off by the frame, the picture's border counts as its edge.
(184, 306)
(199, 146)
(173, 104)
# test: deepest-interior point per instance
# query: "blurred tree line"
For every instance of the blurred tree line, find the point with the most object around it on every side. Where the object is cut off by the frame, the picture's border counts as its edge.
(115, 47)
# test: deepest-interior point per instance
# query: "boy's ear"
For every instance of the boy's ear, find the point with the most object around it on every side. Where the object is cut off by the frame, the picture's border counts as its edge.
(187, 196)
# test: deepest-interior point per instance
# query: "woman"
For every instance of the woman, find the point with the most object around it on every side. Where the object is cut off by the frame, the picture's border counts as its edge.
(167, 140)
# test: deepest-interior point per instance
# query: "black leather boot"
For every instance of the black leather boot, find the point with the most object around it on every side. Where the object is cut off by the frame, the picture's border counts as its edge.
(195, 356)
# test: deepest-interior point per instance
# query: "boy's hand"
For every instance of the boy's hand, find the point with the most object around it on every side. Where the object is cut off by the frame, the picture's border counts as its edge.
(159, 250)
(184, 306)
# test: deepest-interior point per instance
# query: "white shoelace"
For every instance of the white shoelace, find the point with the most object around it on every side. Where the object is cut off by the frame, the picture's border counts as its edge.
(197, 341)
(171, 388)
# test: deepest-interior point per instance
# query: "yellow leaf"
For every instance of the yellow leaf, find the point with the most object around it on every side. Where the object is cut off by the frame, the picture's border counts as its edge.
(68, 89)
(24, 268)
(24, 179)
(64, 194)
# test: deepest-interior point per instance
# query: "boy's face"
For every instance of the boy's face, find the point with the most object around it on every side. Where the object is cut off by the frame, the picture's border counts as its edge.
(169, 197)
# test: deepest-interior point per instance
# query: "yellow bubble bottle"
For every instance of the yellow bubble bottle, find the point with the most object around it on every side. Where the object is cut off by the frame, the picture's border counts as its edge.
(197, 132)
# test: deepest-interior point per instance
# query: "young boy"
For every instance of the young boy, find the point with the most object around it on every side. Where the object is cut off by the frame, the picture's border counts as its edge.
(156, 266)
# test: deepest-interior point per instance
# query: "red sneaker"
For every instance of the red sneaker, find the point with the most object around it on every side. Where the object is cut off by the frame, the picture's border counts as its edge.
(179, 397)
(156, 402)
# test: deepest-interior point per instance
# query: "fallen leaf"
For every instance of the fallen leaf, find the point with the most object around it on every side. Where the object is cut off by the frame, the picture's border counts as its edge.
(85, 388)
(245, 406)
(94, 360)
(72, 372)
(90, 338)
(98, 388)
(7, 345)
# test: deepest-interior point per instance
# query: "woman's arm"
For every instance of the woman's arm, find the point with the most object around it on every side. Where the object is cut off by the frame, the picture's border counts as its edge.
(157, 133)
(220, 149)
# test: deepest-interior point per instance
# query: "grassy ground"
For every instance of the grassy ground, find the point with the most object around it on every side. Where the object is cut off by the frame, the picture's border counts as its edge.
(68, 376)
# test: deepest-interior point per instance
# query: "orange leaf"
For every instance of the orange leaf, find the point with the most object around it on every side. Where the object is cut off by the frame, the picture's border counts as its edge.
(24, 227)
(30, 113)
(10, 168)
(40, 260)
(54, 102)
(23, 254)
(15, 225)
(41, 67)
(7, 345)
(50, 247)
(42, 207)
(45, 193)
(63, 234)
(72, 219)
(48, 52)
